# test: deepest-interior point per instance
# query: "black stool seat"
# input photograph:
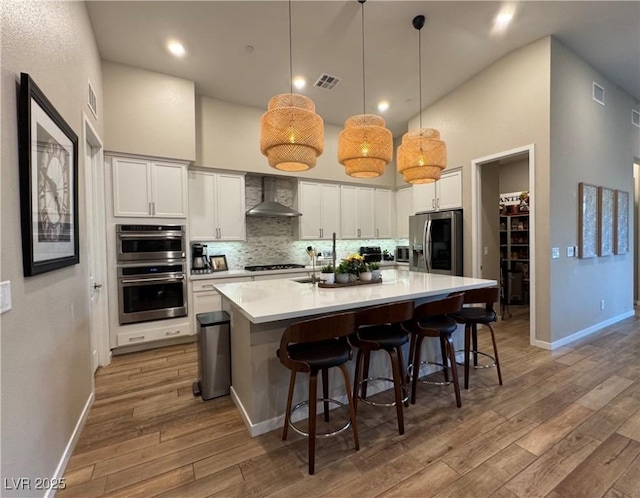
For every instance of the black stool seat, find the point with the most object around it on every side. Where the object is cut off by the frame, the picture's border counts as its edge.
(478, 315)
(317, 355)
(385, 336)
(440, 323)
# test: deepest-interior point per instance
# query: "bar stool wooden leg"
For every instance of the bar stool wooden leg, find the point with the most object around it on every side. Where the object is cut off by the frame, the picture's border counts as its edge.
(451, 354)
(356, 380)
(352, 410)
(313, 389)
(467, 349)
(474, 340)
(445, 355)
(495, 353)
(287, 413)
(325, 392)
(397, 388)
(416, 367)
(365, 373)
(412, 353)
(403, 371)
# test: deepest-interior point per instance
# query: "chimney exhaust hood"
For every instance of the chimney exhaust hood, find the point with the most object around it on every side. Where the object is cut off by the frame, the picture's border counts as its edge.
(269, 205)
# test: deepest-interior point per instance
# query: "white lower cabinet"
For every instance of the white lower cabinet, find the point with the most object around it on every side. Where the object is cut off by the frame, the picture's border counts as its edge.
(205, 298)
(154, 334)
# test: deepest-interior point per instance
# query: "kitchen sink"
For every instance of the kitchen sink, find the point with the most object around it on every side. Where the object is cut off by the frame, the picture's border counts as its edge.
(306, 280)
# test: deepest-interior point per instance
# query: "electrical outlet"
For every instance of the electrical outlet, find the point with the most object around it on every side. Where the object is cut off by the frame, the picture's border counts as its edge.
(570, 252)
(602, 304)
(555, 252)
(5, 296)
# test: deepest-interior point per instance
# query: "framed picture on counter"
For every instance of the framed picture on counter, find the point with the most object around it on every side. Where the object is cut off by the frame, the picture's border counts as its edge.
(48, 159)
(219, 262)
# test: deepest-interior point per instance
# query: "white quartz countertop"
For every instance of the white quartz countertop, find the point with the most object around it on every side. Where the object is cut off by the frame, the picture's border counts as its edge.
(271, 300)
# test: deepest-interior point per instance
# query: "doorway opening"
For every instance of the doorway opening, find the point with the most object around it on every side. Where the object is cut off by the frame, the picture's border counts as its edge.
(503, 242)
(96, 246)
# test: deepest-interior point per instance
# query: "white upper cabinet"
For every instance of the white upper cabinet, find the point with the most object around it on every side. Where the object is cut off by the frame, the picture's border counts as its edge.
(446, 193)
(319, 204)
(145, 189)
(404, 209)
(357, 212)
(216, 206)
(384, 213)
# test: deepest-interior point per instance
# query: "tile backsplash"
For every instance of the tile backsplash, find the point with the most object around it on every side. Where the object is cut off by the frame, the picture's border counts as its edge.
(271, 241)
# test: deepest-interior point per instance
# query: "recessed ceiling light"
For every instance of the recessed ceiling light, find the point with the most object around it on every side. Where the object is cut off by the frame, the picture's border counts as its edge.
(176, 48)
(383, 106)
(299, 82)
(503, 18)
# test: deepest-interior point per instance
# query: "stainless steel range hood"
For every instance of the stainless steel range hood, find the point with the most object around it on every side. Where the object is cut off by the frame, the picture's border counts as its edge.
(269, 205)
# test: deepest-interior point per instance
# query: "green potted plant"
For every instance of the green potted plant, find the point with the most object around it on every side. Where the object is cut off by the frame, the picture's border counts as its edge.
(328, 273)
(374, 267)
(355, 265)
(342, 272)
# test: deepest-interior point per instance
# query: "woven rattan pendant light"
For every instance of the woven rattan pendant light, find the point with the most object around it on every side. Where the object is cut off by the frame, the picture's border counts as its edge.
(422, 155)
(365, 146)
(291, 133)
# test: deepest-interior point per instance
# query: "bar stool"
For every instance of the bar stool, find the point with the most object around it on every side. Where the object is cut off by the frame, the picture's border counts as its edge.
(312, 346)
(471, 317)
(431, 320)
(380, 328)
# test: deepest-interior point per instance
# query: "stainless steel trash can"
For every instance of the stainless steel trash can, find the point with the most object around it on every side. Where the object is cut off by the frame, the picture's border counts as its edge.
(214, 355)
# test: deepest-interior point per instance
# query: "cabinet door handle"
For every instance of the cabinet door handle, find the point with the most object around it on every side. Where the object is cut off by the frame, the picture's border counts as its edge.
(322, 233)
(207, 286)
(438, 203)
(377, 232)
(433, 203)
(136, 339)
(174, 332)
(358, 232)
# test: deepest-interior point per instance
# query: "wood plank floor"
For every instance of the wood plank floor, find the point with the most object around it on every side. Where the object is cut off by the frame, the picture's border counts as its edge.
(564, 424)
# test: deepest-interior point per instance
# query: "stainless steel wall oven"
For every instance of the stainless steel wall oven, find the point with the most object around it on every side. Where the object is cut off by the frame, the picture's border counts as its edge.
(152, 268)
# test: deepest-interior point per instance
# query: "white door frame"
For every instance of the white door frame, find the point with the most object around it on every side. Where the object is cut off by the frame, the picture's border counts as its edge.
(476, 220)
(96, 244)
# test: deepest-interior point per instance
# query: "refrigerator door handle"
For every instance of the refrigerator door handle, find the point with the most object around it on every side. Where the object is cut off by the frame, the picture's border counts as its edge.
(427, 245)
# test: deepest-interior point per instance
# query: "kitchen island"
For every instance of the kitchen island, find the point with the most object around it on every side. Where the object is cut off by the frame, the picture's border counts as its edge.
(261, 310)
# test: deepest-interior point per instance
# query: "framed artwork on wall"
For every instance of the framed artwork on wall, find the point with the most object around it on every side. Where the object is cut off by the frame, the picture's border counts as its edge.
(587, 220)
(621, 220)
(48, 160)
(606, 201)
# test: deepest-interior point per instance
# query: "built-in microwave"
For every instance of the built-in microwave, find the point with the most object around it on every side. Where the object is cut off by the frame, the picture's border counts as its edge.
(402, 254)
(150, 242)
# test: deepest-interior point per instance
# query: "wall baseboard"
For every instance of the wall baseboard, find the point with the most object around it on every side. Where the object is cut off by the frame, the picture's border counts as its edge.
(66, 455)
(584, 332)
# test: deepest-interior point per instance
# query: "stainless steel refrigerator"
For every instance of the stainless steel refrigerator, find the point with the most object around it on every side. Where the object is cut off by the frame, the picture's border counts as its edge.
(435, 242)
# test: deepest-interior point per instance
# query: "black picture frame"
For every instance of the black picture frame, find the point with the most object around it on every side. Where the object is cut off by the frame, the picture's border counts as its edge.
(48, 161)
(218, 262)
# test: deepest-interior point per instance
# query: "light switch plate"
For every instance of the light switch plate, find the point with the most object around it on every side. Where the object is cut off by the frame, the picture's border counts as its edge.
(570, 252)
(555, 252)
(5, 296)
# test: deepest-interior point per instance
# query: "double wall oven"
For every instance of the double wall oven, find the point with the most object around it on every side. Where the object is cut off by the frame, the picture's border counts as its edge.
(152, 269)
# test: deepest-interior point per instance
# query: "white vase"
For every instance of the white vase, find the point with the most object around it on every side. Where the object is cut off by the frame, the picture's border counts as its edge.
(376, 274)
(329, 278)
(342, 278)
(365, 276)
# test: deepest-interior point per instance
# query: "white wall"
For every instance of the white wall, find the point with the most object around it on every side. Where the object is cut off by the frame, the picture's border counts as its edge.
(148, 113)
(503, 107)
(595, 144)
(514, 176)
(44, 341)
(228, 137)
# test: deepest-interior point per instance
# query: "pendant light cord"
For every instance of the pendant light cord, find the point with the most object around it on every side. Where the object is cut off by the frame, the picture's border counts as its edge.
(364, 94)
(290, 53)
(420, 75)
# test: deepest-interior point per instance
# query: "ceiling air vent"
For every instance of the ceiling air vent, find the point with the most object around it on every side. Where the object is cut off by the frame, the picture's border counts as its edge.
(327, 81)
(93, 101)
(598, 93)
(635, 117)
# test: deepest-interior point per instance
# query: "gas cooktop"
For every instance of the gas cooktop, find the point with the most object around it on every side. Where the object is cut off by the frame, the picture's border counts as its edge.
(285, 266)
